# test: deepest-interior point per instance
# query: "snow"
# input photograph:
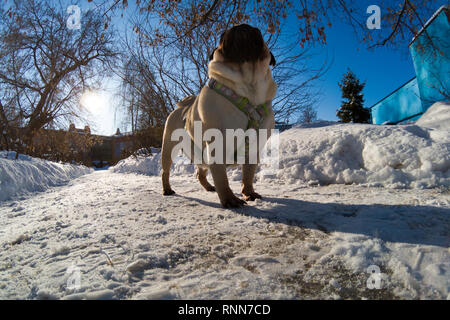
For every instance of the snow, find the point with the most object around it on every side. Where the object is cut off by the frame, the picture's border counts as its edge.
(28, 174)
(395, 157)
(347, 198)
(151, 165)
(436, 117)
(299, 242)
(403, 156)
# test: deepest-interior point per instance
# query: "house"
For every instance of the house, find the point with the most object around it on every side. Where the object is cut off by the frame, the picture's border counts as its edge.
(111, 149)
(430, 52)
(108, 150)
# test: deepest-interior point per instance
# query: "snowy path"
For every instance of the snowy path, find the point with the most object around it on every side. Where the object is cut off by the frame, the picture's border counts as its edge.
(299, 242)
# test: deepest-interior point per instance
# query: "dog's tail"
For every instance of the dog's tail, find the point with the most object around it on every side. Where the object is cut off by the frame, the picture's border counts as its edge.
(186, 105)
(186, 102)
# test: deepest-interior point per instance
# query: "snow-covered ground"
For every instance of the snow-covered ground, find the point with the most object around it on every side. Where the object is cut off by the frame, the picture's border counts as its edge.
(317, 233)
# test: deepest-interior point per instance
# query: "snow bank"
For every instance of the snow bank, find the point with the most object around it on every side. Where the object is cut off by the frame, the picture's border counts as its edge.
(404, 156)
(401, 156)
(437, 117)
(151, 165)
(27, 174)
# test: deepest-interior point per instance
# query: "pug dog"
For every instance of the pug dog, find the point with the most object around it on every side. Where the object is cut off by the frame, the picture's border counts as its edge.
(241, 64)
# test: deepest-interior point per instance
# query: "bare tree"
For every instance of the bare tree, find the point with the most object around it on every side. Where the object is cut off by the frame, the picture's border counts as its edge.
(45, 66)
(295, 76)
(145, 94)
(171, 58)
(308, 114)
(401, 19)
(177, 36)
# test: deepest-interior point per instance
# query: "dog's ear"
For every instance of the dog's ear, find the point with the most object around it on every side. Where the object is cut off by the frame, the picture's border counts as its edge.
(273, 62)
(222, 36)
(211, 56)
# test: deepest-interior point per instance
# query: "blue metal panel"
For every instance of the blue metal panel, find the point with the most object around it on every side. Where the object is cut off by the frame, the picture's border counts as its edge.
(430, 51)
(400, 105)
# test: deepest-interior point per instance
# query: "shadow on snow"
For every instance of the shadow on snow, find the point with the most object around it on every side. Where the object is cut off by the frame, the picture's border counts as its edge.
(425, 225)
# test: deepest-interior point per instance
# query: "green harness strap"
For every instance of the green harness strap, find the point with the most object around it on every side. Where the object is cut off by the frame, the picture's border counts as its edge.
(254, 114)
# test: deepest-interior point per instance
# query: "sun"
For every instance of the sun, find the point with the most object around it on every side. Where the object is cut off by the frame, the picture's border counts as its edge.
(94, 101)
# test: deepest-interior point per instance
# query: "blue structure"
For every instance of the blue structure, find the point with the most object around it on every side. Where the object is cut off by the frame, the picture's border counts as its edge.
(430, 52)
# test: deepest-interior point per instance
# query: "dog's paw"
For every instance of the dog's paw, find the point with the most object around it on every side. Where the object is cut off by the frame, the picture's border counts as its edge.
(210, 189)
(251, 196)
(232, 202)
(168, 192)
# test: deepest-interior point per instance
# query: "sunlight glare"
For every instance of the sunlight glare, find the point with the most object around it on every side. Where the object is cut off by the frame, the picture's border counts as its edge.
(95, 102)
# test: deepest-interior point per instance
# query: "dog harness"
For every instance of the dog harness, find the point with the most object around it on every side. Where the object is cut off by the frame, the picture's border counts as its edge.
(255, 114)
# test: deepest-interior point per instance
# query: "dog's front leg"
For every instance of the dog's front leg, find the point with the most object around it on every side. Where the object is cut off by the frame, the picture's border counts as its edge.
(226, 196)
(248, 172)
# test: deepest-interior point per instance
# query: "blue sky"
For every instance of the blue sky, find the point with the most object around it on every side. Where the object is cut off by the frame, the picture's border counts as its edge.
(383, 69)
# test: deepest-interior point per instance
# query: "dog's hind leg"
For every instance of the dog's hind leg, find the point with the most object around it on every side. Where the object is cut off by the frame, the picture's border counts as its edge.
(166, 162)
(248, 172)
(201, 175)
(173, 122)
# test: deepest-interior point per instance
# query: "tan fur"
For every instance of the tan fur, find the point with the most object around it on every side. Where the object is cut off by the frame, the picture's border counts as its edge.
(250, 79)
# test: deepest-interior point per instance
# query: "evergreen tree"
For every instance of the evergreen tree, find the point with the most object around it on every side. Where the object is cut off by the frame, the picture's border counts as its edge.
(352, 109)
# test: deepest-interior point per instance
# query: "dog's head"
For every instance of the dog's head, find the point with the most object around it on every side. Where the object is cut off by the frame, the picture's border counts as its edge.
(243, 43)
